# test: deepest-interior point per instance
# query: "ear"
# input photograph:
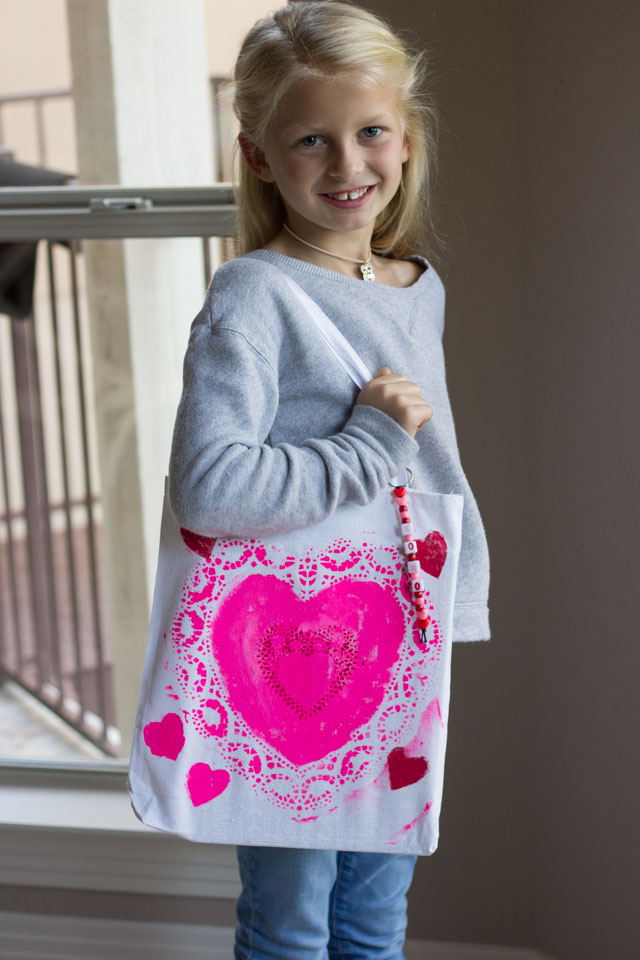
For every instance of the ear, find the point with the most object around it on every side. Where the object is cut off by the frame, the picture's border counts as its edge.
(406, 150)
(255, 158)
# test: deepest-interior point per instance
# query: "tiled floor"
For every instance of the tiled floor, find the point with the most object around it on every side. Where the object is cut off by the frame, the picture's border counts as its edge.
(29, 730)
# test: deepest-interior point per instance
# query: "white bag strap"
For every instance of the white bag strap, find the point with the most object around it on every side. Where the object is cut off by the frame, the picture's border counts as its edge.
(339, 345)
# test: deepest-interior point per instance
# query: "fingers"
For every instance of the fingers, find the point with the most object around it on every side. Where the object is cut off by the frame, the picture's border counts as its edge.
(425, 413)
(399, 398)
(384, 373)
(413, 413)
(394, 385)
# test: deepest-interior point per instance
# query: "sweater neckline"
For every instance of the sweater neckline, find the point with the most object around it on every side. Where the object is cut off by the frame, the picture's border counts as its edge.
(302, 266)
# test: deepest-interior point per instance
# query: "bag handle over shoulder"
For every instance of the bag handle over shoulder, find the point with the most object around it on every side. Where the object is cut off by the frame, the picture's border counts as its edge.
(337, 343)
(339, 346)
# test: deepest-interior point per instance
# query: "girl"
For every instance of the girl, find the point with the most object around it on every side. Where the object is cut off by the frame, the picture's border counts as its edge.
(336, 147)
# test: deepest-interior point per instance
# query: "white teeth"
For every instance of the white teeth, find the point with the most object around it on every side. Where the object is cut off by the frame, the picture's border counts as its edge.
(353, 195)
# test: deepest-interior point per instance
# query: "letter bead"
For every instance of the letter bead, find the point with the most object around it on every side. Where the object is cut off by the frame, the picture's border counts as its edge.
(413, 566)
(410, 547)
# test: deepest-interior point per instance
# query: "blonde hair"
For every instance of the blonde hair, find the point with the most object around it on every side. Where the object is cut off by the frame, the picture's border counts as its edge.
(329, 39)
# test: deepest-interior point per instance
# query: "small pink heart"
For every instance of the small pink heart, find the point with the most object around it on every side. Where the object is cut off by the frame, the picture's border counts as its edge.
(165, 738)
(198, 543)
(205, 784)
(432, 553)
(404, 770)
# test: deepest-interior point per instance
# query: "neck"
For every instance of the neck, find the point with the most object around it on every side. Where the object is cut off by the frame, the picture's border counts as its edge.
(329, 252)
(334, 250)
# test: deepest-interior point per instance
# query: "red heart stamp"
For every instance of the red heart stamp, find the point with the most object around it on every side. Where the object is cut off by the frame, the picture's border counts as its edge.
(198, 543)
(165, 738)
(404, 770)
(432, 553)
(205, 784)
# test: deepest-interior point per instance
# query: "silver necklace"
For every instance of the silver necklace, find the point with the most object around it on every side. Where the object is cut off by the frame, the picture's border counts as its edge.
(366, 267)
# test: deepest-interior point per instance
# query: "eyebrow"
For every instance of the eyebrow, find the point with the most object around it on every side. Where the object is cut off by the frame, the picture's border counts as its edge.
(307, 129)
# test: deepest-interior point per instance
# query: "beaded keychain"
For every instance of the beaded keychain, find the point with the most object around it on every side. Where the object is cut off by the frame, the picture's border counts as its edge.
(416, 583)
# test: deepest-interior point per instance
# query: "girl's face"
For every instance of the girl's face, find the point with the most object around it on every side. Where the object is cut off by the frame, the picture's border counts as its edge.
(335, 152)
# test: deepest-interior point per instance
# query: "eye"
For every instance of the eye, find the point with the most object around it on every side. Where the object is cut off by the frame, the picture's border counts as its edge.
(371, 132)
(311, 141)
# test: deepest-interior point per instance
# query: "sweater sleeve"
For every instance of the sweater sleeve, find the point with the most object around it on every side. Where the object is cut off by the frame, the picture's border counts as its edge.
(224, 475)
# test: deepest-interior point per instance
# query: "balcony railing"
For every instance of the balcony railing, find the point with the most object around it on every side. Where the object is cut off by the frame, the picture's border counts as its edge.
(54, 636)
(35, 102)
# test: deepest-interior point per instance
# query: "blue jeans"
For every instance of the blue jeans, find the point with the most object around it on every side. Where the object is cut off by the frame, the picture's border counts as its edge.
(321, 904)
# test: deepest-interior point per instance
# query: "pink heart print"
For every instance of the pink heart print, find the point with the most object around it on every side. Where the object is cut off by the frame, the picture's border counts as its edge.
(205, 784)
(305, 674)
(166, 737)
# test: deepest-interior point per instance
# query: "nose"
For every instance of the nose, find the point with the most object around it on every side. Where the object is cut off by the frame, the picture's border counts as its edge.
(346, 161)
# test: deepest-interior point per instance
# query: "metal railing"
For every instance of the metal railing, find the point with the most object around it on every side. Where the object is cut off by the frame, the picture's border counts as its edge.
(36, 100)
(54, 638)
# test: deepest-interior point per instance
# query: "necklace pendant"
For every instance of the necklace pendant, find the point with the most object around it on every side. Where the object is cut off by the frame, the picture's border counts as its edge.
(367, 271)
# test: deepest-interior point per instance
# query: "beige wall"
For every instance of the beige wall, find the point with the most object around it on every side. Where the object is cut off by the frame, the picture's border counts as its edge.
(226, 26)
(34, 55)
(34, 49)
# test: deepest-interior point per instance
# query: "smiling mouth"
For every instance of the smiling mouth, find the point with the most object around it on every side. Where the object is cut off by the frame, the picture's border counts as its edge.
(354, 194)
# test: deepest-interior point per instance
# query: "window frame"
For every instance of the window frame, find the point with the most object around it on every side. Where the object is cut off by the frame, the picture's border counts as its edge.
(78, 812)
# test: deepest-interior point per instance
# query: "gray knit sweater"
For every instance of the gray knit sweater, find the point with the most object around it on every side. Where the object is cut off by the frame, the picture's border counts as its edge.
(267, 435)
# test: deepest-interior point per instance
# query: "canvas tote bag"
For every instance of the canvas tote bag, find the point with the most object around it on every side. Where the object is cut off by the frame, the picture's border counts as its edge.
(288, 697)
